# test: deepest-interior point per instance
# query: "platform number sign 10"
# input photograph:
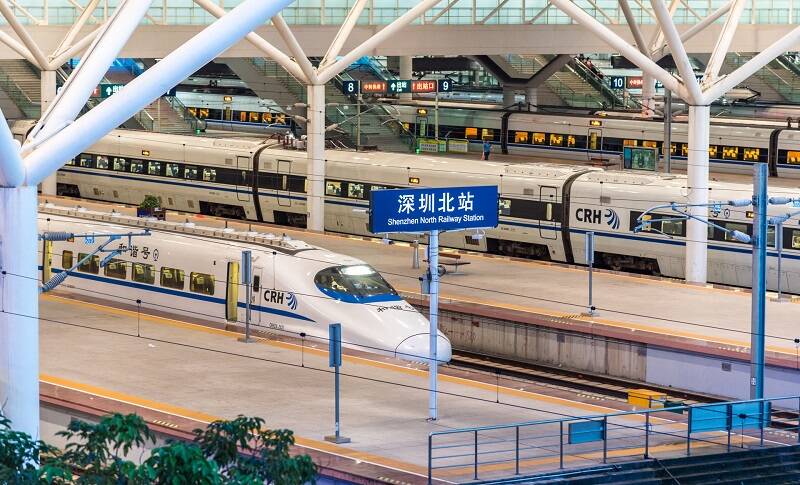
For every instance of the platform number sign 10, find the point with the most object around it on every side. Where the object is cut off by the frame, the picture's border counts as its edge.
(617, 82)
(445, 85)
(350, 87)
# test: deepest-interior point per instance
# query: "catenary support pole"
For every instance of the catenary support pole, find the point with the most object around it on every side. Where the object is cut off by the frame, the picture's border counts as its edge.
(315, 204)
(48, 84)
(667, 147)
(697, 171)
(433, 269)
(759, 294)
(19, 309)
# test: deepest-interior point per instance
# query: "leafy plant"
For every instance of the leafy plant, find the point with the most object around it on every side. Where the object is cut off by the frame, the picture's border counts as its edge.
(237, 452)
(150, 202)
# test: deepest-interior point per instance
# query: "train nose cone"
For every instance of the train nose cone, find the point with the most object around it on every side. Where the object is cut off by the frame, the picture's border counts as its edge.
(417, 348)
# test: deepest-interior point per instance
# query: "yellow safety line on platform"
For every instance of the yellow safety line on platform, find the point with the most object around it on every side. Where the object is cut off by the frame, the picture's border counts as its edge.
(349, 358)
(207, 418)
(744, 345)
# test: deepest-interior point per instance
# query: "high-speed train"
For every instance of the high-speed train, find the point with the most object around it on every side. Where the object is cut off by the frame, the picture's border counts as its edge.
(545, 209)
(734, 145)
(195, 272)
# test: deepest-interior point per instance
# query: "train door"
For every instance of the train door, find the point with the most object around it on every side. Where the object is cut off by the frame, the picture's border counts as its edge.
(228, 114)
(548, 196)
(256, 301)
(47, 261)
(243, 189)
(594, 143)
(284, 169)
(232, 292)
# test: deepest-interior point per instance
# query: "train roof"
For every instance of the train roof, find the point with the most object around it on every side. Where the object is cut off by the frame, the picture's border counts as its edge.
(279, 243)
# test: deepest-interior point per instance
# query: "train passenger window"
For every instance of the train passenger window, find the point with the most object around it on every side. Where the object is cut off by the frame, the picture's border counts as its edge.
(92, 265)
(143, 273)
(487, 133)
(539, 138)
(243, 116)
(172, 278)
(85, 160)
(521, 137)
(730, 153)
(190, 172)
(355, 191)
(202, 113)
(173, 170)
(102, 162)
(71, 161)
(66, 259)
(556, 140)
(120, 164)
(333, 188)
(209, 175)
(116, 268)
(296, 183)
(734, 226)
(795, 239)
(137, 166)
(650, 144)
(672, 228)
(505, 207)
(255, 117)
(154, 168)
(713, 150)
(752, 154)
(377, 187)
(570, 140)
(266, 117)
(471, 133)
(770, 236)
(630, 143)
(673, 148)
(793, 157)
(685, 150)
(201, 283)
(280, 118)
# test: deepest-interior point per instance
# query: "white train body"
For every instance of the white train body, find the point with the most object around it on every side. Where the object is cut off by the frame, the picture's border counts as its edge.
(546, 209)
(195, 272)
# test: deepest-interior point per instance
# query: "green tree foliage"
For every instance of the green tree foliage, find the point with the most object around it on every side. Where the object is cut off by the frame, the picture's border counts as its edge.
(237, 452)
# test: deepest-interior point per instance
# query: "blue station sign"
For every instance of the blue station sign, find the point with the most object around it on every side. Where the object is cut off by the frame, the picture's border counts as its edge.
(427, 209)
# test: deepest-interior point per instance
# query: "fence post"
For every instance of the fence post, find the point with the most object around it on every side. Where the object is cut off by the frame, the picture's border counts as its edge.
(476, 455)
(430, 459)
(647, 436)
(689, 433)
(761, 422)
(605, 438)
(516, 468)
(561, 445)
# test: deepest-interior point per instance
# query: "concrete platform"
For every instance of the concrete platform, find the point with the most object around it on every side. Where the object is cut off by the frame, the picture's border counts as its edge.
(200, 373)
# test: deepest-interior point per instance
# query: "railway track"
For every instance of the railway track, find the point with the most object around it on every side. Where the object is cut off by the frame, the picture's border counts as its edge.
(602, 385)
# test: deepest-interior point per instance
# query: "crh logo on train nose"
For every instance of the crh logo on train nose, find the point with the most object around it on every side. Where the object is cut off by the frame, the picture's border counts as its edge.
(281, 298)
(597, 216)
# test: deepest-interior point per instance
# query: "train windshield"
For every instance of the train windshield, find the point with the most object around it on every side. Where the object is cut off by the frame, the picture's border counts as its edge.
(355, 284)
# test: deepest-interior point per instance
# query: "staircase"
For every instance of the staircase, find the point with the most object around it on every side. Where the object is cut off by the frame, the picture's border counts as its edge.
(568, 85)
(774, 81)
(770, 466)
(21, 82)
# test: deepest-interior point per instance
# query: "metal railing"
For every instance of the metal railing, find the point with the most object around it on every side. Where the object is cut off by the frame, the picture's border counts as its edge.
(183, 113)
(669, 430)
(181, 12)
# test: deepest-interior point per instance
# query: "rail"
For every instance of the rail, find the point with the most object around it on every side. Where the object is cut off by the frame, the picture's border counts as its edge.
(573, 442)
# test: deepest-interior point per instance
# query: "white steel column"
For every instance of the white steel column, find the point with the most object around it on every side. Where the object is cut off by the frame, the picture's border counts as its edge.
(19, 302)
(406, 71)
(697, 180)
(648, 95)
(315, 202)
(48, 83)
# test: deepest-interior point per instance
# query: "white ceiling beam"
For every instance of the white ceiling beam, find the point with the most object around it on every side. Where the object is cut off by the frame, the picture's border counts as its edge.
(260, 43)
(86, 13)
(637, 33)
(12, 169)
(661, 50)
(329, 72)
(344, 32)
(658, 34)
(24, 36)
(678, 51)
(294, 47)
(17, 47)
(76, 48)
(723, 43)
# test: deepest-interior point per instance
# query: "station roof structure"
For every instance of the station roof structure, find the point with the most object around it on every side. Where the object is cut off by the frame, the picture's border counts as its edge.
(451, 27)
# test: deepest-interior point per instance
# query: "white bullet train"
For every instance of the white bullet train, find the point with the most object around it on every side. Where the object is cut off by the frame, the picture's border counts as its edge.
(545, 209)
(734, 144)
(195, 272)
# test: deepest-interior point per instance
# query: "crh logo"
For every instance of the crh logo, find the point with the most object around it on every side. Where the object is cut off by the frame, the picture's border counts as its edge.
(281, 298)
(598, 216)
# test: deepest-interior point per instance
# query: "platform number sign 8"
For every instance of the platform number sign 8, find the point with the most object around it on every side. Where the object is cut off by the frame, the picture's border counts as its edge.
(350, 87)
(445, 85)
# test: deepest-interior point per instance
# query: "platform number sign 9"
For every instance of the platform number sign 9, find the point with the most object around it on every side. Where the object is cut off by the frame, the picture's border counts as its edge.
(445, 85)
(350, 87)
